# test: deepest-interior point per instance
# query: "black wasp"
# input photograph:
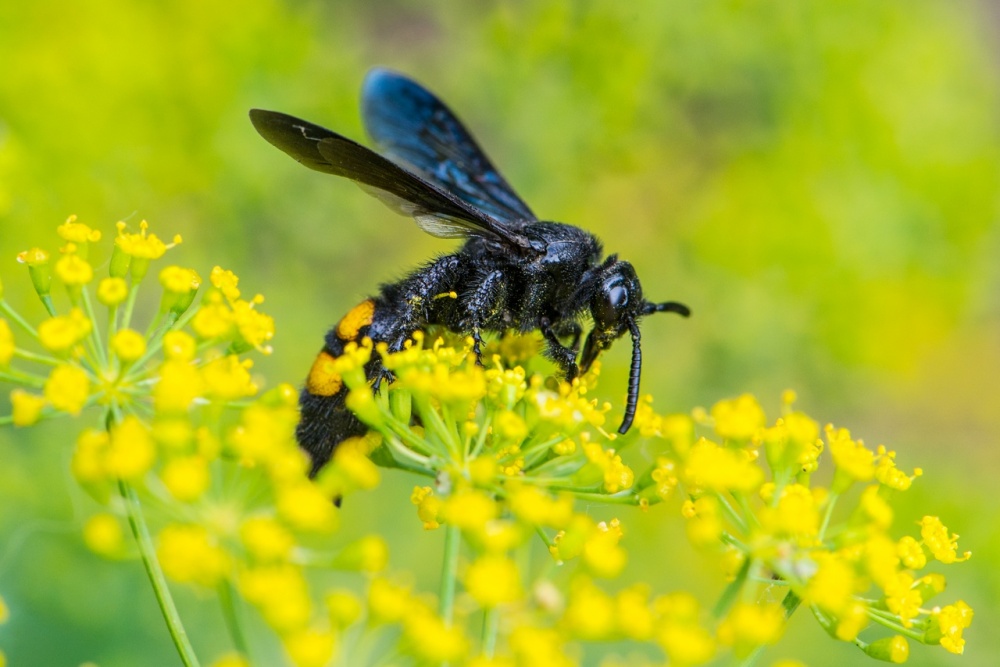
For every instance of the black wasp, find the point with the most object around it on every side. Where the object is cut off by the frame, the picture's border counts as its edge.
(513, 271)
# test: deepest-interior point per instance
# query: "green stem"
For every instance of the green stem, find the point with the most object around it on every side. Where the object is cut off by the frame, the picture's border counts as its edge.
(37, 358)
(231, 614)
(50, 307)
(16, 377)
(491, 624)
(449, 572)
(737, 520)
(95, 331)
(7, 310)
(827, 514)
(732, 591)
(148, 552)
(133, 292)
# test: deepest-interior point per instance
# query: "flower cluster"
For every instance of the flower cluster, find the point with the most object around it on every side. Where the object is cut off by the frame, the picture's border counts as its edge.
(510, 458)
(508, 452)
(181, 418)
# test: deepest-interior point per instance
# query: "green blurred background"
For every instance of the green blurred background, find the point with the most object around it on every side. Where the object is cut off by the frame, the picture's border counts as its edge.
(818, 181)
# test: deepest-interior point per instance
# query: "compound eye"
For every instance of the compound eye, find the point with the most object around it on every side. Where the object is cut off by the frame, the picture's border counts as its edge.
(612, 302)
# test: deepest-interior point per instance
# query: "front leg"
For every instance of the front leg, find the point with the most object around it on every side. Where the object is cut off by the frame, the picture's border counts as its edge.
(562, 355)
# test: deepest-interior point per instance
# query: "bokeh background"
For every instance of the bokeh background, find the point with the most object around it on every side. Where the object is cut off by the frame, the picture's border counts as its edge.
(819, 181)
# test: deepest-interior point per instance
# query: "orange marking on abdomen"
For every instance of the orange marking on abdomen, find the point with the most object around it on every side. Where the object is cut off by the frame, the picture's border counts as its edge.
(359, 316)
(323, 380)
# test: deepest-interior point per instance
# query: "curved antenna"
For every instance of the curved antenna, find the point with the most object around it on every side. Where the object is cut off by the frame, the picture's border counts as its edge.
(633, 379)
(666, 307)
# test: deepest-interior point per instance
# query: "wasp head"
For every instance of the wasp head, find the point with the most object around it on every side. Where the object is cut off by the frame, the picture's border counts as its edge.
(616, 306)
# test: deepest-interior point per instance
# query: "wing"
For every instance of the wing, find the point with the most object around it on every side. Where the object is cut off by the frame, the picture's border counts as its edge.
(436, 211)
(412, 126)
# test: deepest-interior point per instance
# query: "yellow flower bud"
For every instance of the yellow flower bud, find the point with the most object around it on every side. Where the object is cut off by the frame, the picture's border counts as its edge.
(112, 291)
(67, 388)
(128, 345)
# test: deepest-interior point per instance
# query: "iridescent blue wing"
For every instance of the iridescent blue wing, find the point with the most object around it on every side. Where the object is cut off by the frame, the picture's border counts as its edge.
(436, 211)
(413, 127)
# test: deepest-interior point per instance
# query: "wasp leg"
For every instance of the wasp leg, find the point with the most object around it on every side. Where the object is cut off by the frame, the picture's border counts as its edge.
(481, 304)
(562, 355)
(572, 329)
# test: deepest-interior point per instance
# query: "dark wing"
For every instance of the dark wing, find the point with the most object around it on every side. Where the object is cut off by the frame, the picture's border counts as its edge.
(413, 127)
(436, 211)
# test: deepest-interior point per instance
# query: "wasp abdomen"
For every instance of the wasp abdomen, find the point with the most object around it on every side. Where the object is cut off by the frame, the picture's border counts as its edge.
(325, 421)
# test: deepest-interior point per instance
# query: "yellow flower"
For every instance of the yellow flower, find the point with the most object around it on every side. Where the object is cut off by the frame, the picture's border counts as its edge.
(77, 232)
(910, 553)
(26, 407)
(875, 506)
(343, 607)
(748, 626)
(59, 334)
(310, 647)
(266, 539)
(679, 633)
(112, 291)
(189, 555)
(254, 327)
(617, 475)
(633, 614)
(903, 599)
(142, 245)
(103, 535)
(714, 468)
(228, 378)
(430, 639)
(178, 280)
(832, 585)
(226, 282)
(469, 509)
(6, 343)
(936, 538)
(428, 506)
(305, 507)
(539, 647)
(129, 345)
(131, 452)
(888, 474)
(88, 457)
(796, 513)
(493, 580)
(951, 621)
(179, 346)
(73, 270)
(536, 507)
(590, 612)
(738, 418)
(851, 457)
(67, 389)
(601, 553)
(280, 593)
(388, 601)
(186, 478)
(851, 621)
(4, 611)
(214, 319)
(180, 383)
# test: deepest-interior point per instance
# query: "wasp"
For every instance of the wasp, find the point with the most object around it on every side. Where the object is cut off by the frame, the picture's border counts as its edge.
(513, 271)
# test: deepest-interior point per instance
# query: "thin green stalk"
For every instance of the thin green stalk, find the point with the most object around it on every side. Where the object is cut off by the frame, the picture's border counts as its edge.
(50, 307)
(491, 625)
(37, 358)
(17, 319)
(95, 331)
(148, 552)
(133, 293)
(229, 610)
(827, 514)
(449, 572)
(738, 520)
(15, 377)
(732, 591)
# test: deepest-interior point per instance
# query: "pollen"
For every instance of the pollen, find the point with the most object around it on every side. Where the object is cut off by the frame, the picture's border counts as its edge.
(359, 316)
(323, 379)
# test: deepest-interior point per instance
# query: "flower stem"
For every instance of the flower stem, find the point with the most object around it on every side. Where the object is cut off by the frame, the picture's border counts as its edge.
(231, 614)
(6, 309)
(145, 542)
(491, 624)
(449, 572)
(732, 591)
